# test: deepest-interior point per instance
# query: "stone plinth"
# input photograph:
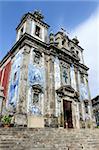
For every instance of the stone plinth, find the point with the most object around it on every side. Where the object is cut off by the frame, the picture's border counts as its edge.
(35, 122)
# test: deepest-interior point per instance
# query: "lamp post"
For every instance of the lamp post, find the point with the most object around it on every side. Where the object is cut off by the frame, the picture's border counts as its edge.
(1, 99)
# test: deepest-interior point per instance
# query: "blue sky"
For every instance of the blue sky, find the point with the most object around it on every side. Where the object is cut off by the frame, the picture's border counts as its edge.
(57, 14)
(72, 15)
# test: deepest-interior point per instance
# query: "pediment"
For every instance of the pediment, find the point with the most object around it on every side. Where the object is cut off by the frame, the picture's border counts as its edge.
(67, 90)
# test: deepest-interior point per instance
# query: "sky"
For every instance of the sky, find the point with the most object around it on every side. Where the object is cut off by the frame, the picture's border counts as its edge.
(79, 18)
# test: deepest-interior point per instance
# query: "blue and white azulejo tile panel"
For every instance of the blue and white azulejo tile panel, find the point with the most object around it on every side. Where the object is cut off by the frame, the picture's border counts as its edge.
(14, 80)
(36, 75)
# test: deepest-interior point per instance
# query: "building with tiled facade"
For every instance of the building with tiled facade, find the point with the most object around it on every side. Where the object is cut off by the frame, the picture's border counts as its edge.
(44, 77)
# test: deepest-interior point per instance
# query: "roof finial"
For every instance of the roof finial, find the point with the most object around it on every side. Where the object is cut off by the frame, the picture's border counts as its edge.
(64, 31)
(38, 14)
(75, 40)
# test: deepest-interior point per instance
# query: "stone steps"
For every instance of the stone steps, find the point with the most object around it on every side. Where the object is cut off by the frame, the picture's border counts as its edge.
(48, 139)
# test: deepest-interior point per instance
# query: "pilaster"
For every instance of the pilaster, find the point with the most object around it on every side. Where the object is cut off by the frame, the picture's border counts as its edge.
(51, 85)
(29, 26)
(21, 110)
(51, 119)
(46, 99)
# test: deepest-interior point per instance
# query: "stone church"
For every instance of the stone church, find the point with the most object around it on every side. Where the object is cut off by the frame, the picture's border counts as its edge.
(44, 81)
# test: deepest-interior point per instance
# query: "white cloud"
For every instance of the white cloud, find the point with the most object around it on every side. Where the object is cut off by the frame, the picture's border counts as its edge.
(88, 35)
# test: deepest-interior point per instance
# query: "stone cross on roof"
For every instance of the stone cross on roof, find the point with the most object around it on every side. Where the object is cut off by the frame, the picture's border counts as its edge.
(64, 31)
(38, 14)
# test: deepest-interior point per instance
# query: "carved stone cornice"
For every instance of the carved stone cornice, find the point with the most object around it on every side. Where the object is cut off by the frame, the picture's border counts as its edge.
(31, 16)
(64, 64)
(47, 49)
(83, 66)
(38, 52)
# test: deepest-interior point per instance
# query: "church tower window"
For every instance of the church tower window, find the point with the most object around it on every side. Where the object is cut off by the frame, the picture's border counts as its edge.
(77, 52)
(37, 31)
(63, 42)
(21, 32)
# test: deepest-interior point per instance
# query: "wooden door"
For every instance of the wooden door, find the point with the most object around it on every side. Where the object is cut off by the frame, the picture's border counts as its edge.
(67, 107)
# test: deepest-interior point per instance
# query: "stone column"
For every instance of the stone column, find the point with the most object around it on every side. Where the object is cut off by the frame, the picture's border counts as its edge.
(46, 99)
(21, 110)
(76, 76)
(51, 85)
(74, 114)
(60, 117)
(83, 114)
(90, 112)
(29, 26)
(51, 119)
(77, 116)
(81, 104)
(87, 85)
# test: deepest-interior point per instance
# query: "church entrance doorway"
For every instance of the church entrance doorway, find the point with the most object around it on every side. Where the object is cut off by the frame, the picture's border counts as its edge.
(67, 108)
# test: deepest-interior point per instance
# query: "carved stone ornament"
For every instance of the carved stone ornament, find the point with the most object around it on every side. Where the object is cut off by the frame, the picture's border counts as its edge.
(37, 88)
(37, 14)
(37, 56)
(26, 50)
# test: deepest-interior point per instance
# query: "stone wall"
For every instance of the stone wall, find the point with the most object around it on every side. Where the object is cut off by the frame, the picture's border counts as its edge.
(48, 139)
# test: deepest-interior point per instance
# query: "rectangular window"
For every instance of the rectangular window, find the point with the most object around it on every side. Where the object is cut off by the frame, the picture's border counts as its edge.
(21, 32)
(37, 31)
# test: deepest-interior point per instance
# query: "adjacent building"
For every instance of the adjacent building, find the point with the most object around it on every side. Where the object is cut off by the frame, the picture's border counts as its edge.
(44, 77)
(95, 106)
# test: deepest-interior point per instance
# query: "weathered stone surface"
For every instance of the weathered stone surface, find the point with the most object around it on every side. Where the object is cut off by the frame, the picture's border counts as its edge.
(48, 139)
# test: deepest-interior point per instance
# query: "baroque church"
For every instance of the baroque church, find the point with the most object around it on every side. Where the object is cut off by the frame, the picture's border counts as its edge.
(43, 78)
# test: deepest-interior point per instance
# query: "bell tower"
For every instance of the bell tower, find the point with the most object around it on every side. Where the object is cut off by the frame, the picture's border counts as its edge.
(33, 24)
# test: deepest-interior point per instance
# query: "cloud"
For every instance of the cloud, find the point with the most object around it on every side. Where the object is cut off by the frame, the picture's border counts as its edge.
(88, 35)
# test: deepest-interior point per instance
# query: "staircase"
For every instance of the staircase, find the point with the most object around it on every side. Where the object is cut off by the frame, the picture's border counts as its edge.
(48, 139)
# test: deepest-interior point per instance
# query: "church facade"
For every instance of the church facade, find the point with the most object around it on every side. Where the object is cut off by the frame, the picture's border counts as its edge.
(44, 78)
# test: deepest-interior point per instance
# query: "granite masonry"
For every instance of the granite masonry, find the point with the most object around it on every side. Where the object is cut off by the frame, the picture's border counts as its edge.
(48, 139)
